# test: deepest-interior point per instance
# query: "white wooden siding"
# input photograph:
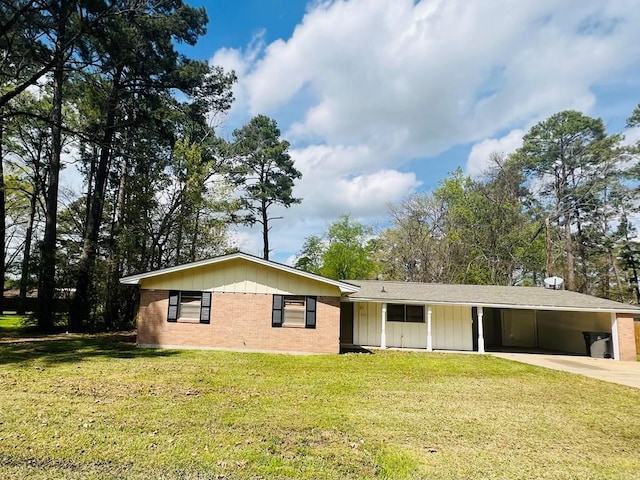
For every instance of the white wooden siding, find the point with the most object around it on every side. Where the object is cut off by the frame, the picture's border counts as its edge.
(367, 324)
(451, 328)
(240, 276)
(406, 335)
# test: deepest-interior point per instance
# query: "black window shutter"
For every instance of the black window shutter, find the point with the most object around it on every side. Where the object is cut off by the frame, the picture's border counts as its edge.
(310, 317)
(205, 307)
(276, 315)
(174, 300)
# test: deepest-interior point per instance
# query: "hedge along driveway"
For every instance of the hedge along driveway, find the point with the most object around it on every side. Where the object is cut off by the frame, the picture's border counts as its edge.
(97, 407)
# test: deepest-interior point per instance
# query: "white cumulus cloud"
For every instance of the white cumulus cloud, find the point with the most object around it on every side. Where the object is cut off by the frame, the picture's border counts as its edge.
(346, 179)
(365, 88)
(422, 76)
(480, 155)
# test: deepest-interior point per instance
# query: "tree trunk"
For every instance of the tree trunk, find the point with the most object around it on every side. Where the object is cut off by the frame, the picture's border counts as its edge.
(549, 248)
(112, 309)
(265, 230)
(180, 230)
(3, 214)
(194, 240)
(636, 284)
(81, 304)
(90, 175)
(47, 283)
(568, 249)
(584, 268)
(26, 256)
(635, 280)
(616, 272)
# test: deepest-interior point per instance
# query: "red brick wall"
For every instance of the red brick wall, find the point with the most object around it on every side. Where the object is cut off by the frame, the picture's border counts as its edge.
(238, 321)
(626, 337)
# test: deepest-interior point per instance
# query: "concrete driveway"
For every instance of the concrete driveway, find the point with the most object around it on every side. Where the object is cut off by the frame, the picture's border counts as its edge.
(624, 373)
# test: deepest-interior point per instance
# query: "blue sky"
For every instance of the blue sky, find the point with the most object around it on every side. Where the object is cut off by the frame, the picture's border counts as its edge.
(381, 99)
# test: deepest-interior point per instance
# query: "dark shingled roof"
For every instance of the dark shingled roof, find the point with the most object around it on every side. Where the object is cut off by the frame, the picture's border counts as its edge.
(484, 295)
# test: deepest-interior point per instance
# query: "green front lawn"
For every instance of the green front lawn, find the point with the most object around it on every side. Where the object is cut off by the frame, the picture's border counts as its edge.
(9, 323)
(13, 325)
(96, 407)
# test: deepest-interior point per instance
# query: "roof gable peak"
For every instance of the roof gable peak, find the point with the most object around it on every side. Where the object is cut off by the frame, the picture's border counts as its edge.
(135, 279)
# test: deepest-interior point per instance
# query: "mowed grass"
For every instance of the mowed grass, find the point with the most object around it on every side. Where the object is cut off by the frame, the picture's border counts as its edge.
(12, 325)
(96, 407)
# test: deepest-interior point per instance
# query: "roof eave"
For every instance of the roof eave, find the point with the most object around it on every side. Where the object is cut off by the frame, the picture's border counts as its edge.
(631, 310)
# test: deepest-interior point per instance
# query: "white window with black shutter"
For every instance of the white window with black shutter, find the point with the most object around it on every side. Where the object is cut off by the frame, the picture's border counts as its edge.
(189, 307)
(294, 311)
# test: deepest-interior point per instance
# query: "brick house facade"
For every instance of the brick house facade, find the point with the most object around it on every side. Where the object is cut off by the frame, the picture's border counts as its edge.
(242, 302)
(626, 337)
(238, 321)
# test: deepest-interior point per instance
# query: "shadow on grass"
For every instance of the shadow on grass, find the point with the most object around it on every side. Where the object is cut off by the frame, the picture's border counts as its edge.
(72, 348)
(354, 349)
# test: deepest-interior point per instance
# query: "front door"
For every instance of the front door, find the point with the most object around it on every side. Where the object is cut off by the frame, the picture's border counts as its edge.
(346, 323)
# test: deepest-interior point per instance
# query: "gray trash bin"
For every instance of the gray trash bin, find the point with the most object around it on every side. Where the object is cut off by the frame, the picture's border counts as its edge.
(598, 344)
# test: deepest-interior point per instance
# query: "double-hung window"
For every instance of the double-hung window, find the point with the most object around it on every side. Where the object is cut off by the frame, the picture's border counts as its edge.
(294, 311)
(189, 307)
(405, 313)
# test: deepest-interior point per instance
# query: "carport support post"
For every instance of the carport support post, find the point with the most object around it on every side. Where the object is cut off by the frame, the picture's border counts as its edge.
(383, 330)
(480, 331)
(614, 336)
(429, 337)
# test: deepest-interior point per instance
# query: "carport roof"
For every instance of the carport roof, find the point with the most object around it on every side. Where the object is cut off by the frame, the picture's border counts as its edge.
(531, 298)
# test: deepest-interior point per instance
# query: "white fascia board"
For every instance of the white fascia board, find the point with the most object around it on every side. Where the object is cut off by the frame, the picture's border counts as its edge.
(343, 286)
(635, 311)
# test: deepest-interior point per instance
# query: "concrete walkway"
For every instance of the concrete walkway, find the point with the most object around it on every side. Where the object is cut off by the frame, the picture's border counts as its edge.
(624, 373)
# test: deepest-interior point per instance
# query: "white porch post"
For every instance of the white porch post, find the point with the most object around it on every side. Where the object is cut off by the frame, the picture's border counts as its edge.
(429, 337)
(614, 336)
(383, 330)
(480, 331)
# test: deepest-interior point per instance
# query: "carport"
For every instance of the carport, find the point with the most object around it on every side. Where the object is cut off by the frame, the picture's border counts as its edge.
(483, 318)
(552, 331)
